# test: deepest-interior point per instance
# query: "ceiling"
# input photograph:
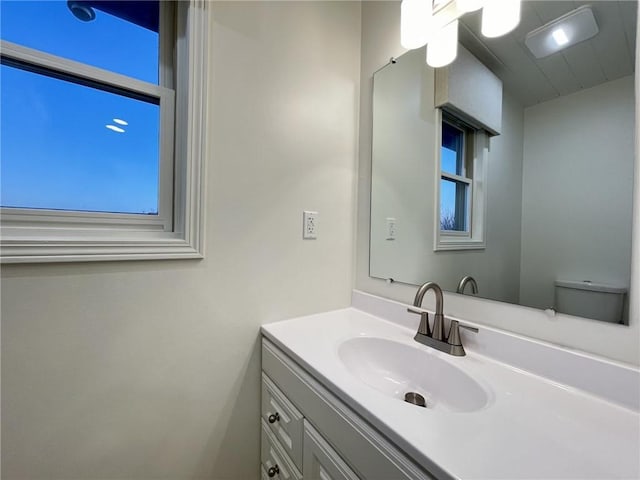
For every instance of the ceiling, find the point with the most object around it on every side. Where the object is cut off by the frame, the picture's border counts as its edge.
(607, 56)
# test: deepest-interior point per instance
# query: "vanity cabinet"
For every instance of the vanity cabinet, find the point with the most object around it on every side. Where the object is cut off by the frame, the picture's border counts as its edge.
(308, 432)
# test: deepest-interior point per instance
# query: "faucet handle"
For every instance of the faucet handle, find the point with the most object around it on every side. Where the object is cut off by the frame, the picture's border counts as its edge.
(454, 341)
(454, 334)
(423, 329)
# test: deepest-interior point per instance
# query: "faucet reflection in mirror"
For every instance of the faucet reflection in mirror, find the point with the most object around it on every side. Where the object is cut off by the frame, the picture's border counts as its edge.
(435, 23)
(467, 279)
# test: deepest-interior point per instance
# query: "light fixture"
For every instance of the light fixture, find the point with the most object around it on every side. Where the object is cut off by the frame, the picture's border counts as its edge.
(499, 17)
(415, 22)
(120, 121)
(115, 129)
(470, 5)
(574, 27)
(419, 25)
(560, 37)
(443, 47)
(81, 10)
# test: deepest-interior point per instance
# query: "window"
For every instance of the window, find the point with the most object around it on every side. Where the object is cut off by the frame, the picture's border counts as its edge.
(103, 109)
(460, 192)
(455, 177)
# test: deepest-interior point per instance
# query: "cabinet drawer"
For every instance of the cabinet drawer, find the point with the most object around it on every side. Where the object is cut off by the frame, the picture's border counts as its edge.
(283, 420)
(321, 462)
(276, 465)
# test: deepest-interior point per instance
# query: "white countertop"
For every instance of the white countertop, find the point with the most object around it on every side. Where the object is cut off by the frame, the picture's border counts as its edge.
(531, 428)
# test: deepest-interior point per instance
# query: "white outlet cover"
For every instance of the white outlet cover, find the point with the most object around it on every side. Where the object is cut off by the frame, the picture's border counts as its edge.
(309, 225)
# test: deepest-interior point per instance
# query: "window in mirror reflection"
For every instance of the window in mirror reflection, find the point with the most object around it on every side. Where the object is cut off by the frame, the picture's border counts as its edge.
(456, 176)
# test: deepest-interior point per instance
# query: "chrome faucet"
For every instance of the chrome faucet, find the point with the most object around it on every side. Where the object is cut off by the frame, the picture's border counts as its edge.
(452, 344)
(463, 283)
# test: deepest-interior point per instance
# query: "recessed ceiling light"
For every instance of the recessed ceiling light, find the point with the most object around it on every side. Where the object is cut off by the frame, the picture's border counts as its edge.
(115, 129)
(120, 122)
(559, 36)
(574, 27)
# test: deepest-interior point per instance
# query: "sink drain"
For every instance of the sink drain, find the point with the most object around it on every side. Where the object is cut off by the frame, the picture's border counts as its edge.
(415, 399)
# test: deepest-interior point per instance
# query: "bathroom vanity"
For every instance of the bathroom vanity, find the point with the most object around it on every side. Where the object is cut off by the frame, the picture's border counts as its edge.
(332, 404)
(294, 414)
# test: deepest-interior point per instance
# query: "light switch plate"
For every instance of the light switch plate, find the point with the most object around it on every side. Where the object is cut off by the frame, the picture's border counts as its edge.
(391, 228)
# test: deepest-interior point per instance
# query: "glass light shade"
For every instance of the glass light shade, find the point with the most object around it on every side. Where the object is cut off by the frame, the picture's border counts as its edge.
(443, 47)
(415, 23)
(500, 17)
(470, 5)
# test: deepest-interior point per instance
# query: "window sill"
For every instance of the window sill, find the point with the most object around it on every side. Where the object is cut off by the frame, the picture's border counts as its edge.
(90, 250)
(449, 244)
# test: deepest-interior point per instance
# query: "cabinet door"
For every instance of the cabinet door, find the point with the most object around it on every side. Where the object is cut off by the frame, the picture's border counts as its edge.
(320, 461)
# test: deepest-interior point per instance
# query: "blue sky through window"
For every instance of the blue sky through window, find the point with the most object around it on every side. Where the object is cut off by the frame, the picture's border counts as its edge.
(107, 42)
(447, 205)
(449, 160)
(449, 164)
(56, 151)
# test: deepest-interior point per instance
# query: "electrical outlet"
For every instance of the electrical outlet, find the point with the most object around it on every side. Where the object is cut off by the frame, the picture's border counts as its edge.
(391, 228)
(309, 224)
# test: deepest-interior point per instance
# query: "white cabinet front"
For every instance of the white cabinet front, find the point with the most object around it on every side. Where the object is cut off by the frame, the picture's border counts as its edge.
(276, 464)
(283, 419)
(321, 462)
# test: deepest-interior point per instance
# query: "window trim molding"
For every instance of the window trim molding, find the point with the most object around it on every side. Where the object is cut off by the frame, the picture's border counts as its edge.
(475, 239)
(39, 244)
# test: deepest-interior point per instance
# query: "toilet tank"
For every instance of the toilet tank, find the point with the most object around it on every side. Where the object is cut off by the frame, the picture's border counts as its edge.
(590, 300)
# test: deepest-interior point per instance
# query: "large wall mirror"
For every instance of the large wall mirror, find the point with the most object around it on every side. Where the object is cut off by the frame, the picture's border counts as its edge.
(539, 215)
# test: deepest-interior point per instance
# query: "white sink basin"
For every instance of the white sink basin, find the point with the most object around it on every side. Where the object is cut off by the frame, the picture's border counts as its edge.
(395, 368)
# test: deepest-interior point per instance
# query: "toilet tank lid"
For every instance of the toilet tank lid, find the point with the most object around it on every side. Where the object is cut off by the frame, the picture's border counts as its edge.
(589, 285)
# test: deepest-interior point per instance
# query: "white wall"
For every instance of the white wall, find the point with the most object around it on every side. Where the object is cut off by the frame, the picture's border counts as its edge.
(403, 185)
(578, 172)
(144, 370)
(380, 40)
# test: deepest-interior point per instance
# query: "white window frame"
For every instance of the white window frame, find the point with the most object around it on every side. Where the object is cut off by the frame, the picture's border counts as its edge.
(474, 238)
(30, 235)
